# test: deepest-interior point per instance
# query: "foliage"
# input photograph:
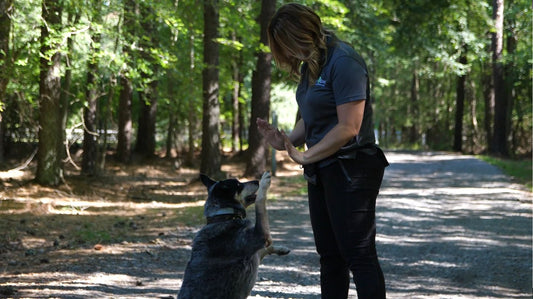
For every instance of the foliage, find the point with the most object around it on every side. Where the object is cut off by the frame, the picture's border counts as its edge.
(405, 44)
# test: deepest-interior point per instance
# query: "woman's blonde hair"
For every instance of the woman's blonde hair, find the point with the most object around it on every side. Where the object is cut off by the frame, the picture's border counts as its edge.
(296, 35)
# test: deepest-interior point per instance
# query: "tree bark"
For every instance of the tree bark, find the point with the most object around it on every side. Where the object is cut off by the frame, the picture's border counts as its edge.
(124, 120)
(210, 156)
(488, 97)
(147, 121)
(238, 80)
(191, 111)
(89, 165)
(261, 81)
(500, 142)
(49, 163)
(126, 91)
(146, 142)
(412, 130)
(6, 7)
(460, 106)
(235, 109)
(170, 135)
(242, 127)
(510, 79)
(65, 85)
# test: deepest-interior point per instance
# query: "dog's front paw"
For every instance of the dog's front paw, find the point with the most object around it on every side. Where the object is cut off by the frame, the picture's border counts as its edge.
(281, 250)
(265, 181)
(268, 240)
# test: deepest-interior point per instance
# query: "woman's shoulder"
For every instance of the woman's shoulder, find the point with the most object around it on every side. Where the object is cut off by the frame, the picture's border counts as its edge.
(342, 51)
(341, 48)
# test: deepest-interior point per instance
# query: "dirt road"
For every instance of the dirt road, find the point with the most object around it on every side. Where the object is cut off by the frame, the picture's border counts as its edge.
(449, 226)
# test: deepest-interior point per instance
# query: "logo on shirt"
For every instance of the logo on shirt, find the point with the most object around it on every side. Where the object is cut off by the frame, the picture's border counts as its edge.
(320, 82)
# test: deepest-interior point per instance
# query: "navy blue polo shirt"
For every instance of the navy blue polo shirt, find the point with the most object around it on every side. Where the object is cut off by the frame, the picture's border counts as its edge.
(343, 79)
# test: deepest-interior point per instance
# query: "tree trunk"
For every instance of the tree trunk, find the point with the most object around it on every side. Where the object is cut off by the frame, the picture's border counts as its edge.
(459, 106)
(105, 112)
(49, 165)
(147, 121)
(170, 135)
(258, 151)
(89, 164)
(126, 91)
(473, 134)
(238, 79)
(124, 120)
(488, 97)
(148, 97)
(210, 156)
(65, 85)
(500, 144)
(90, 135)
(6, 7)
(242, 109)
(510, 79)
(191, 111)
(412, 130)
(173, 109)
(235, 109)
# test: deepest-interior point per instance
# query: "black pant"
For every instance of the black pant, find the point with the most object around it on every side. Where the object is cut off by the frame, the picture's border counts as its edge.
(342, 205)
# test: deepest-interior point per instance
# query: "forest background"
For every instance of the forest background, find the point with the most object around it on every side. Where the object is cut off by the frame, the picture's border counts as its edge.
(186, 79)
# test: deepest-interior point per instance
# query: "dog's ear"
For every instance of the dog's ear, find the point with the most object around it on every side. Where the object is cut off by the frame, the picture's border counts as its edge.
(206, 180)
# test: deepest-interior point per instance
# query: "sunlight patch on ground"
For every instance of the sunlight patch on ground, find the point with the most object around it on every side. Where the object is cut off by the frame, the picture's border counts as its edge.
(94, 285)
(287, 269)
(13, 174)
(103, 279)
(73, 206)
(484, 190)
(398, 157)
(114, 249)
(433, 290)
(439, 264)
(298, 291)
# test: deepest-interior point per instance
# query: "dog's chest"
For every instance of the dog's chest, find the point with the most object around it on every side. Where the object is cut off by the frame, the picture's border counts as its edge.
(231, 238)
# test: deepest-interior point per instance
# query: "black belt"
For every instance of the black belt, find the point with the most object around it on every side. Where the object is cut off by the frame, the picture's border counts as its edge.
(348, 152)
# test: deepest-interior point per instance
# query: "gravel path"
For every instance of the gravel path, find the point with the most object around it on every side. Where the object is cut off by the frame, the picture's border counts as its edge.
(449, 226)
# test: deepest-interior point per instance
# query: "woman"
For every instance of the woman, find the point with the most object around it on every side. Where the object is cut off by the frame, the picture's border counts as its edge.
(342, 164)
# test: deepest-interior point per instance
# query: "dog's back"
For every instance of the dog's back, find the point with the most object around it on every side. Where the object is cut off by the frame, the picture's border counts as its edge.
(223, 262)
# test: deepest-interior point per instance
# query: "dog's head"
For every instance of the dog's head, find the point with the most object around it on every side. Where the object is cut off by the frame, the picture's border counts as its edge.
(228, 196)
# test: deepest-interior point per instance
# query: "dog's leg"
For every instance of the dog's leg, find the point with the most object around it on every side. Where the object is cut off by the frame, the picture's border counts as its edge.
(261, 215)
(279, 250)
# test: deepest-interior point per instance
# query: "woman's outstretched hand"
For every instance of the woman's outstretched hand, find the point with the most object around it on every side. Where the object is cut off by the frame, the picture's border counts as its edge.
(272, 135)
(293, 152)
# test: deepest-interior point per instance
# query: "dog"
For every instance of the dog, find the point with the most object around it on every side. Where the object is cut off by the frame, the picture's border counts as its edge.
(227, 251)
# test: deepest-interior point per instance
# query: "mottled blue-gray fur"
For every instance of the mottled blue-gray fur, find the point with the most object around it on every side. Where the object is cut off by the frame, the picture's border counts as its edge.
(227, 251)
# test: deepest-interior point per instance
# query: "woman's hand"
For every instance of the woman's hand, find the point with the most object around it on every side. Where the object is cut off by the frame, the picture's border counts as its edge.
(272, 135)
(294, 153)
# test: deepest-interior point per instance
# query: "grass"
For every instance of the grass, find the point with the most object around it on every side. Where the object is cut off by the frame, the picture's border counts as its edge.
(519, 170)
(293, 185)
(92, 235)
(191, 216)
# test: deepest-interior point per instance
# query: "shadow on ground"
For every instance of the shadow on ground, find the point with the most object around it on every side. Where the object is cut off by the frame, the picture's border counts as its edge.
(449, 226)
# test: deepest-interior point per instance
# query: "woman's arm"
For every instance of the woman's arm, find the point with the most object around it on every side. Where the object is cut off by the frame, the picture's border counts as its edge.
(297, 136)
(350, 117)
